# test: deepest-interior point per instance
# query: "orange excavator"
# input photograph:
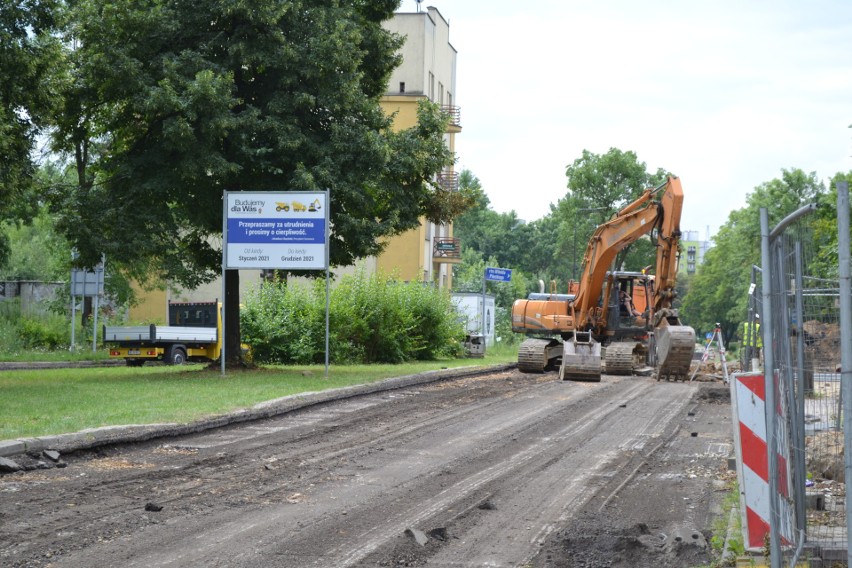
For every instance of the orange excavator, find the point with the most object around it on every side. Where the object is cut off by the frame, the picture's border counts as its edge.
(589, 328)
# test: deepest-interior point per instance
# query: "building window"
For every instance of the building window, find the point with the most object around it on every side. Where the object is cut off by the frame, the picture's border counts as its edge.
(431, 86)
(402, 86)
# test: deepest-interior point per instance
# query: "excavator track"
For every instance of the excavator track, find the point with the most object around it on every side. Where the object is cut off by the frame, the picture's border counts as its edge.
(535, 355)
(618, 358)
(675, 346)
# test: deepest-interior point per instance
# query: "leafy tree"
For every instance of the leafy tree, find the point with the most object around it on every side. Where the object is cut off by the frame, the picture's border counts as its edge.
(598, 187)
(37, 251)
(184, 100)
(826, 261)
(718, 292)
(29, 53)
(609, 181)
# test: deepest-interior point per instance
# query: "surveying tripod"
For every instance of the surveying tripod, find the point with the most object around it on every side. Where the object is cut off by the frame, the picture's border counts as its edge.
(717, 336)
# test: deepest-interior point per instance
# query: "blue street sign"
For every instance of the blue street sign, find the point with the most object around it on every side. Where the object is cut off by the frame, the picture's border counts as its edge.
(498, 274)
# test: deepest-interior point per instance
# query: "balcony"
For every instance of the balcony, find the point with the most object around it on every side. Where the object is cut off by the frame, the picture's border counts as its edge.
(448, 180)
(454, 113)
(446, 249)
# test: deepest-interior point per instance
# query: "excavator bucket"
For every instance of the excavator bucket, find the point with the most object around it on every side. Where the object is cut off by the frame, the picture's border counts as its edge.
(581, 358)
(675, 346)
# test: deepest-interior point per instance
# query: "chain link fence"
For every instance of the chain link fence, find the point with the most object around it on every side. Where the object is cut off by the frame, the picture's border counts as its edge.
(802, 334)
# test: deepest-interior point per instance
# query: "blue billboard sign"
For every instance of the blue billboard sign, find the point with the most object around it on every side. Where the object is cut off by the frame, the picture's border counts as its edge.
(278, 230)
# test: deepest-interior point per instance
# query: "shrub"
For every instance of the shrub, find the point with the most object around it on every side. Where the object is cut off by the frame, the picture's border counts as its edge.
(32, 330)
(45, 332)
(277, 321)
(372, 320)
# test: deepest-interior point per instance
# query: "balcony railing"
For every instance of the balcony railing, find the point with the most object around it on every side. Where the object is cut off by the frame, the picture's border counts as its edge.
(446, 248)
(455, 114)
(448, 180)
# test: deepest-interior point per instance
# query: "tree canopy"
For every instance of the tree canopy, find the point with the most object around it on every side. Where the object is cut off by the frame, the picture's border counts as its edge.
(29, 53)
(599, 185)
(718, 292)
(170, 103)
(194, 99)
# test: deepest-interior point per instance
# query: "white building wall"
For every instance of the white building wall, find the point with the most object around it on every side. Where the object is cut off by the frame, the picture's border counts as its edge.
(427, 51)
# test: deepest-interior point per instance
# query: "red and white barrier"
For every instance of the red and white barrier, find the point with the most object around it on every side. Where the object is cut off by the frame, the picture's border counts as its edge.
(748, 397)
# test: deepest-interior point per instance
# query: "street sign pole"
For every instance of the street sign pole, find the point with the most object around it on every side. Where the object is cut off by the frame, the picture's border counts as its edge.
(73, 320)
(80, 286)
(482, 321)
(224, 269)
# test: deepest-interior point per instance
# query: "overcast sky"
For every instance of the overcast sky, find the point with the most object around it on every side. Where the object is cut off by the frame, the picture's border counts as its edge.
(724, 94)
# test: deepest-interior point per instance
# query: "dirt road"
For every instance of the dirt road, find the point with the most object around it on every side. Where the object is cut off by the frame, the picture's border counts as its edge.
(500, 470)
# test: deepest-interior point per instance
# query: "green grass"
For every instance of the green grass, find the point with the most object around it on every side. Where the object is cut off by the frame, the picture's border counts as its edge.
(719, 540)
(44, 402)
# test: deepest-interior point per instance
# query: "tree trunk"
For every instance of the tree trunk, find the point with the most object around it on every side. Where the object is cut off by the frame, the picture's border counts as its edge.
(233, 352)
(87, 310)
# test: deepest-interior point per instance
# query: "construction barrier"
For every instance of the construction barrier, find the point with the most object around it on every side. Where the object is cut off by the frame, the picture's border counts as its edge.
(748, 400)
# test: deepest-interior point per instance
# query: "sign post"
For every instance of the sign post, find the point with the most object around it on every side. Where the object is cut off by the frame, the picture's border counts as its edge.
(279, 230)
(496, 275)
(89, 282)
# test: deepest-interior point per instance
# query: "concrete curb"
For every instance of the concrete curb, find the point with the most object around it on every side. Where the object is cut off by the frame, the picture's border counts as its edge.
(95, 437)
(41, 365)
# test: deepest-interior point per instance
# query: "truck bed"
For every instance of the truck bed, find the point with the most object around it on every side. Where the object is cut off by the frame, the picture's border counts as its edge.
(153, 334)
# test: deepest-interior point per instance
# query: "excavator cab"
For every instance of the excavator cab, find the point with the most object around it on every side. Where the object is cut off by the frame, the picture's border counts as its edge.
(628, 305)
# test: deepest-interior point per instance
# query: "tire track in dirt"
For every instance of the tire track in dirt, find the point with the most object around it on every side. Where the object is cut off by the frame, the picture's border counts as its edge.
(338, 484)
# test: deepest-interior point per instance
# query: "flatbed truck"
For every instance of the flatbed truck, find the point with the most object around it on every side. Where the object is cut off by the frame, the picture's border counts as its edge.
(194, 333)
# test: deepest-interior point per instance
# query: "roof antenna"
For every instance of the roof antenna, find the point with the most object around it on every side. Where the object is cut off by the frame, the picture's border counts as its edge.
(418, 4)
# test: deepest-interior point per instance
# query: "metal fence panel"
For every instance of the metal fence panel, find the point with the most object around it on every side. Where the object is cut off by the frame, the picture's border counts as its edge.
(802, 313)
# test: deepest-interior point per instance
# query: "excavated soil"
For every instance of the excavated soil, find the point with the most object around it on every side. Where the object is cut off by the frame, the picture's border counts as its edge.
(504, 469)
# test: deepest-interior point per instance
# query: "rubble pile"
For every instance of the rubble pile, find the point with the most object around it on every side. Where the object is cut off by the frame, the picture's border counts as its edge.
(822, 344)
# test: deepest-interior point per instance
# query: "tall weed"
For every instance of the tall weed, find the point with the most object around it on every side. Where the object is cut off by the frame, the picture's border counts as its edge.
(34, 330)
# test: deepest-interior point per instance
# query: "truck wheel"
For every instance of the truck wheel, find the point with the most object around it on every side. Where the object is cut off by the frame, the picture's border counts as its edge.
(176, 356)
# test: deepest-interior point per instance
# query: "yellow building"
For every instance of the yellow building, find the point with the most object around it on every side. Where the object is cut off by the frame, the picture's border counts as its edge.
(428, 71)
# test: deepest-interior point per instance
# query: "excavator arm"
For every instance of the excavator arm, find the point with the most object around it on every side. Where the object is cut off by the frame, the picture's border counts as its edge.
(631, 223)
(668, 239)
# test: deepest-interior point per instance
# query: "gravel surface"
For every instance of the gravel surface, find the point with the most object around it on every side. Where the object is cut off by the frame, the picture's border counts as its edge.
(504, 469)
